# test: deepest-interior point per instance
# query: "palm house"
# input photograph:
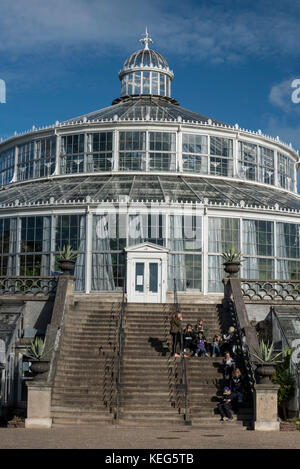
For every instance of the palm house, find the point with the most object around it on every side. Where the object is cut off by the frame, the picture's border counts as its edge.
(147, 192)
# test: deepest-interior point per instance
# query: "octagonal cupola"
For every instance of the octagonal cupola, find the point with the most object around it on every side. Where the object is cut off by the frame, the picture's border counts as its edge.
(146, 72)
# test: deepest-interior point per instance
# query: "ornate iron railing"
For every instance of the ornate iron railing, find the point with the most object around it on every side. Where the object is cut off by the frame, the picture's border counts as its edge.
(28, 286)
(243, 349)
(247, 340)
(270, 290)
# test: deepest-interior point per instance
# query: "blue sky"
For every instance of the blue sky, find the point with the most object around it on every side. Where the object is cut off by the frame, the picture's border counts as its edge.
(233, 60)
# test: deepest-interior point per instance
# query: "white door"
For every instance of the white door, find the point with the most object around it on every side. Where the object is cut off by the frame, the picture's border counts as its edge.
(147, 273)
(147, 281)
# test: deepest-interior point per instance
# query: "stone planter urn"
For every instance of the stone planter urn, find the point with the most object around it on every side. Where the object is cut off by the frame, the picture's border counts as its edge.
(40, 369)
(232, 268)
(66, 266)
(265, 372)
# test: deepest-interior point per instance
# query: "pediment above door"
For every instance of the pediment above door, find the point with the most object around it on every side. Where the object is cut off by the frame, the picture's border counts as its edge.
(147, 247)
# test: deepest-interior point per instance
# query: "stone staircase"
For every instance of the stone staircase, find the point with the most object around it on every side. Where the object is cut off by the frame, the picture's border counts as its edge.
(148, 394)
(83, 391)
(151, 392)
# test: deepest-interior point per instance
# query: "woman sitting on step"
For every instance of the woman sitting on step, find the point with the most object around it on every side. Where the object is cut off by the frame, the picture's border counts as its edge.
(215, 345)
(201, 348)
(229, 366)
(199, 327)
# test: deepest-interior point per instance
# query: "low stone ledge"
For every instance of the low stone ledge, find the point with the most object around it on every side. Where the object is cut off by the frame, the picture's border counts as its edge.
(39, 423)
(267, 426)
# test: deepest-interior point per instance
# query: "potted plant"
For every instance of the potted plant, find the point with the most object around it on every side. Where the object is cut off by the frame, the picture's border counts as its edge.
(266, 361)
(232, 261)
(66, 259)
(36, 354)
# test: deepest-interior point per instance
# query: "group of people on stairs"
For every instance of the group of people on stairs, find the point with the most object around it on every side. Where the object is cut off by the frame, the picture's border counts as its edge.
(191, 341)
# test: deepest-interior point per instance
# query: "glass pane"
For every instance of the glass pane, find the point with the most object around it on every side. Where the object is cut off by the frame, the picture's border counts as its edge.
(139, 276)
(153, 274)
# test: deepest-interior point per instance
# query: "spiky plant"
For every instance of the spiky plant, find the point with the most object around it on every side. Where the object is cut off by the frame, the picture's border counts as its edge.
(36, 350)
(67, 254)
(265, 354)
(231, 255)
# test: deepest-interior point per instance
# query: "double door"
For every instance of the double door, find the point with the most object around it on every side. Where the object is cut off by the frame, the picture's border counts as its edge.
(147, 280)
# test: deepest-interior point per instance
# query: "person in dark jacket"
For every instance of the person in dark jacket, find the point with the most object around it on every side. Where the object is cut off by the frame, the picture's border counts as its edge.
(189, 338)
(176, 332)
(236, 385)
(224, 406)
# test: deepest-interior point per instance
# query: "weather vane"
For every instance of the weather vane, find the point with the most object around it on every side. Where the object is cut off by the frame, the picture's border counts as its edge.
(146, 40)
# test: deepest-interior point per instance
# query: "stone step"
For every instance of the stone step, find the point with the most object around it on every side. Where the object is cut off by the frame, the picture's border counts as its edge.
(149, 414)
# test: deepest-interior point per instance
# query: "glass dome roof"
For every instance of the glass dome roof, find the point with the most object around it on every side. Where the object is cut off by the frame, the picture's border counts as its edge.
(146, 72)
(146, 58)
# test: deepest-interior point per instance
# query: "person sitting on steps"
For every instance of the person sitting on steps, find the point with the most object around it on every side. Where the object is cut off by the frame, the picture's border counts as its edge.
(227, 341)
(199, 327)
(201, 349)
(229, 366)
(216, 342)
(189, 338)
(224, 406)
(236, 385)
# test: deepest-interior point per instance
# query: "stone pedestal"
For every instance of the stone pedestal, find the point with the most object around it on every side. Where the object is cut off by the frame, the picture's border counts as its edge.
(38, 406)
(266, 407)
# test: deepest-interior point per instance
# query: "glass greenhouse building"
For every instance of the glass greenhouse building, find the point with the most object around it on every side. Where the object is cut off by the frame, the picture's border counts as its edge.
(149, 191)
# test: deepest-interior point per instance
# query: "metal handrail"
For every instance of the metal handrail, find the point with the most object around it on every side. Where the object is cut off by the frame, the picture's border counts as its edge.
(243, 347)
(246, 335)
(183, 361)
(109, 353)
(120, 352)
(175, 396)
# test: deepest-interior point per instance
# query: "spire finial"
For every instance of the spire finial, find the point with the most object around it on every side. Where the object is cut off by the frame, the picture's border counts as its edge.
(146, 40)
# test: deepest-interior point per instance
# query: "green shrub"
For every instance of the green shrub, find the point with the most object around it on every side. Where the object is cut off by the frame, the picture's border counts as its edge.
(286, 380)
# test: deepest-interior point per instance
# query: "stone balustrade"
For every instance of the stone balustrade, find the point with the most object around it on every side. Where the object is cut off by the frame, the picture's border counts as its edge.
(28, 286)
(270, 290)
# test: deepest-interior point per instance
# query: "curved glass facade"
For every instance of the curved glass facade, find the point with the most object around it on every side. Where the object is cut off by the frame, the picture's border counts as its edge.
(146, 150)
(29, 244)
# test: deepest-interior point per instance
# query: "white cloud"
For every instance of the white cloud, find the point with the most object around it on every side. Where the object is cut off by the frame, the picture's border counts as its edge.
(209, 31)
(281, 97)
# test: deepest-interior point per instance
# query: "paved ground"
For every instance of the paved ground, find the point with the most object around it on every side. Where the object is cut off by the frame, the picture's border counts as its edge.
(120, 437)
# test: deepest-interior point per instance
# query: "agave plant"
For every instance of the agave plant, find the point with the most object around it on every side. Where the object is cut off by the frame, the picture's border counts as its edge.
(231, 255)
(265, 354)
(67, 254)
(36, 350)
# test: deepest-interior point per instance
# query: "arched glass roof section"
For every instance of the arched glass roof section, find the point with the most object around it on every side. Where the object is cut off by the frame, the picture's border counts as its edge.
(145, 187)
(143, 107)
